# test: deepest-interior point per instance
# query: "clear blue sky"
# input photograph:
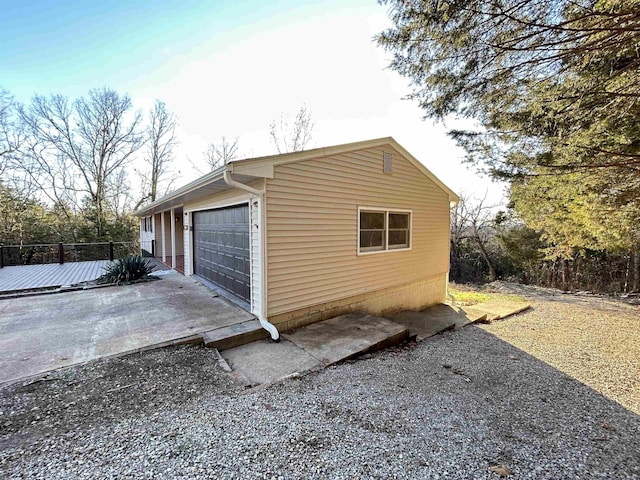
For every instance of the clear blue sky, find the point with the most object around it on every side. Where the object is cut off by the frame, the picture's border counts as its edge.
(229, 68)
(68, 47)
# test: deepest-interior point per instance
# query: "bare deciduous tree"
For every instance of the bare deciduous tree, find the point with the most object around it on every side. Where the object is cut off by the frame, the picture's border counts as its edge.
(88, 142)
(11, 133)
(472, 220)
(292, 138)
(221, 153)
(161, 140)
(42, 168)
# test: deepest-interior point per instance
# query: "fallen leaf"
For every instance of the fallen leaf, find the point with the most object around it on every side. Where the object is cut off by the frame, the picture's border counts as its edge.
(501, 470)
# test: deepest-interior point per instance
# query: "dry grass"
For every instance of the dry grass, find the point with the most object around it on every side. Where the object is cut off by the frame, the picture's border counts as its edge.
(594, 340)
(466, 295)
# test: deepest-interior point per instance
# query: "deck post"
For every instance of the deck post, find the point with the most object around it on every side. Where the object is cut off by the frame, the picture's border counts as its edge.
(153, 247)
(111, 250)
(60, 253)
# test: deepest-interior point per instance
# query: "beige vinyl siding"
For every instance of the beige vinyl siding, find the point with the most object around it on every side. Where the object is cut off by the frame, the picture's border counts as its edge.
(312, 219)
(179, 235)
(167, 233)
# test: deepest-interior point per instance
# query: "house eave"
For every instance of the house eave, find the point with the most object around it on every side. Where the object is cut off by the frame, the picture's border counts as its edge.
(249, 169)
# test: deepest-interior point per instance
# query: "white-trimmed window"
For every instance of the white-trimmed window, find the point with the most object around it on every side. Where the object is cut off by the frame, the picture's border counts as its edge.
(147, 224)
(382, 230)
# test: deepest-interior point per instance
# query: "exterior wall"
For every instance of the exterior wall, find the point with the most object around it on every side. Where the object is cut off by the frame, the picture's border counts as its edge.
(415, 296)
(186, 243)
(312, 231)
(179, 236)
(223, 199)
(167, 234)
(157, 234)
(145, 237)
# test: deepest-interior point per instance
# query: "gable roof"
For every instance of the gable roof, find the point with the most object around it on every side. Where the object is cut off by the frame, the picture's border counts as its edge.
(249, 169)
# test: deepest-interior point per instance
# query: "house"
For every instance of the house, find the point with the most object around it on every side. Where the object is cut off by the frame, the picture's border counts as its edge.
(304, 236)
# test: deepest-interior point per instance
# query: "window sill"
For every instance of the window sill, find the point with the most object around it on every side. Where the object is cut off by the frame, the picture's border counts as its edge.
(392, 250)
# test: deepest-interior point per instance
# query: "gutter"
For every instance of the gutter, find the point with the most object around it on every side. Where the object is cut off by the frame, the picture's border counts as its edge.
(171, 196)
(269, 327)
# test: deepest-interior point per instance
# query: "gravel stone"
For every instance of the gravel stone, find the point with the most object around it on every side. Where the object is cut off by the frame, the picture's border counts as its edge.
(592, 338)
(399, 413)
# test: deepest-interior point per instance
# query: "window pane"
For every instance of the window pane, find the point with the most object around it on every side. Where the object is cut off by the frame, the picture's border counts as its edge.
(398, 238)
(398, 220)
(372, 220)
(371, 239)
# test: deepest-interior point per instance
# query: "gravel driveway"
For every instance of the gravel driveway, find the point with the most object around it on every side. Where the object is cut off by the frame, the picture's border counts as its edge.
(451, 407)
(593, 339)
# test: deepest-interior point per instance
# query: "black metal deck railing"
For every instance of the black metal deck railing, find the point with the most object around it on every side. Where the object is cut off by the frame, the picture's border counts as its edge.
(43, 253)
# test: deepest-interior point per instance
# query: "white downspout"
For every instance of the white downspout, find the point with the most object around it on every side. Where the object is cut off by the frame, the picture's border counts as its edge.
(269, 327)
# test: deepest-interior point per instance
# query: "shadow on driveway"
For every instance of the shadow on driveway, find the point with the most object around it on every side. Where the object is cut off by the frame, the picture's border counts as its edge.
(42, 333)
(400, 413)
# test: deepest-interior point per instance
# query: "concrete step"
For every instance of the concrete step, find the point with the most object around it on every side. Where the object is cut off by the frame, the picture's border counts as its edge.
(347, 336)
(435, 320)
(234, 335)
(496, 309)
(314, 347)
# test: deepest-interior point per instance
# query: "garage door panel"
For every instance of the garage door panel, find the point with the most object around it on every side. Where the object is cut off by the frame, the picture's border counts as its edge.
(221, 249)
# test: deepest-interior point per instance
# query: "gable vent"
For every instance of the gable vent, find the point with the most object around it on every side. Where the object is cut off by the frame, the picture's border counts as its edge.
(387, 162)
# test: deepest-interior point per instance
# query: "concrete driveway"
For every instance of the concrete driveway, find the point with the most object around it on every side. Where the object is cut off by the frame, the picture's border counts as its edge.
(46, 332)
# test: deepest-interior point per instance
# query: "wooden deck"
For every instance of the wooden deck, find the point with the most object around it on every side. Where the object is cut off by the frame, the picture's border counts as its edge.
(49, 276)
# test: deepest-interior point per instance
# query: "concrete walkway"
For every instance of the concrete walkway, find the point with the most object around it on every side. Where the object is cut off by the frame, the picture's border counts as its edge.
(439, 318)
(313, 347)
(26, 277)
(324, 343)
(45, 332)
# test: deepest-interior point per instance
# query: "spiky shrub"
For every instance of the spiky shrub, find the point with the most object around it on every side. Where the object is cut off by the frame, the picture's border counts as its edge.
(126, 270)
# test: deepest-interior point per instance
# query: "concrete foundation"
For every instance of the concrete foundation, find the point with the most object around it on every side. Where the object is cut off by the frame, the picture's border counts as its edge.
(412, 296)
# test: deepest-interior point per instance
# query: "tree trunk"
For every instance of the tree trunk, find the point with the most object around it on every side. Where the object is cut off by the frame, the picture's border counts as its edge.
(627, 273)
(566, 275)
(485, 255)
(635, 283)
(453, 261)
